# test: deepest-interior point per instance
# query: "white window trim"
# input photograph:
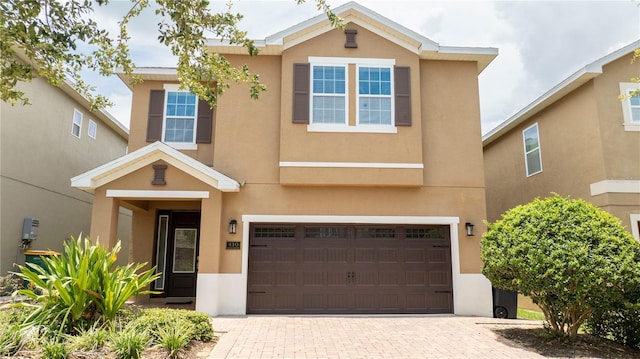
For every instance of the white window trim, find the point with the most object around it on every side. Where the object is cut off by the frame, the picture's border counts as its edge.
(73, 123)
(95, 129)
(346, 61)
(635, 226)
(524, 145)
(391, 96)
(178, 145)
(345, 95)
(625, 88)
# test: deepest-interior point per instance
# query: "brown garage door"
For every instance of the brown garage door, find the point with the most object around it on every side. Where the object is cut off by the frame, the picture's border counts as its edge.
(343, 269)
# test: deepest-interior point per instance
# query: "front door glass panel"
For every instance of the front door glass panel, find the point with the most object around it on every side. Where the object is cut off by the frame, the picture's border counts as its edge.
(184, 253)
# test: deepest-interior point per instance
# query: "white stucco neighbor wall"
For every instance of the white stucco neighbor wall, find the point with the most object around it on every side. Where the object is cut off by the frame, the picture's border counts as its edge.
(226, 294)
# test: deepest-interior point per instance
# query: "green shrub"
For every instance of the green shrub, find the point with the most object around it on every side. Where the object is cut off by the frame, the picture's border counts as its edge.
(621, 324)
(83, 285)
(153, 318)
(10, 339)
(567, 255)
(128, 343)
(94, 338)
(174, 337)
(55, 350)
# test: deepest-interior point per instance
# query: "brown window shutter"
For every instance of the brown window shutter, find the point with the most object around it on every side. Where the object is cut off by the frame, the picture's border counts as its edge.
(403, 96)
(156, 112)
(205, 122)
(300, 93)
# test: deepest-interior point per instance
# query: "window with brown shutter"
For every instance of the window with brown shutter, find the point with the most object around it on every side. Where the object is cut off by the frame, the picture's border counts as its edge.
(300, 93)
(402, 96)
(156, 113)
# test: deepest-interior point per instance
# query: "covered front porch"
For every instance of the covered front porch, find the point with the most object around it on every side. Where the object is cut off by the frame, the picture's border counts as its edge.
(177, 206)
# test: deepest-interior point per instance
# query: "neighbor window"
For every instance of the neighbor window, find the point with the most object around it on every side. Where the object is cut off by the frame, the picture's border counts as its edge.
(180, 117)
(374, 95)
(329, 94)
(76, 126)
(532, 156)
(630, 106)
(93, 129)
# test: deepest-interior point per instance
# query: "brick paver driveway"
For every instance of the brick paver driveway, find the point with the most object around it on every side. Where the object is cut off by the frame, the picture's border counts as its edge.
(363, 337)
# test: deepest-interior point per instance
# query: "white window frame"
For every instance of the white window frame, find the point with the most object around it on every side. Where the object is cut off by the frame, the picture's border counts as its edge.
(76, 123)
(625, 89)
(346, 61)
(345, 95)
(390, 96)
(92, 129)
(178, 145)
(524, 145)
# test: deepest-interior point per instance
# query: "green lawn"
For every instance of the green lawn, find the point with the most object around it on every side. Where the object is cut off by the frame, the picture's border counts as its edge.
(530, 314)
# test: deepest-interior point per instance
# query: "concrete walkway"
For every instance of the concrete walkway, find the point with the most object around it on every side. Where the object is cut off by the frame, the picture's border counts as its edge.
(363, 337)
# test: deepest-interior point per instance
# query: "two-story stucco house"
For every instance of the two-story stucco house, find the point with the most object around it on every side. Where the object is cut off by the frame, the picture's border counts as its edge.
(578, 139)
(344, 189)
(42, 145)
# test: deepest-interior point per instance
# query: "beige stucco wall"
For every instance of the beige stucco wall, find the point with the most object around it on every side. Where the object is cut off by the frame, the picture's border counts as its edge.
(252, 137)
(582, 141)
(39, 155)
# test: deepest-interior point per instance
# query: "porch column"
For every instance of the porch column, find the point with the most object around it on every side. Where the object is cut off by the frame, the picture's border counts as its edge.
(104, 218)
(210, 229)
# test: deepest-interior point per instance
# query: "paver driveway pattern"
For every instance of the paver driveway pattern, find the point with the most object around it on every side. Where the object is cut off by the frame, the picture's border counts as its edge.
(362, 337)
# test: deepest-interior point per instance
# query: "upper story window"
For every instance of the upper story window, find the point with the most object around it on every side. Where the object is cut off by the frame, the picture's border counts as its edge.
(323, 93)
(532, 155)
(329, 94)
(92, 130)
(76, 126)
(179, 118)
(630, 106)
(374, 96)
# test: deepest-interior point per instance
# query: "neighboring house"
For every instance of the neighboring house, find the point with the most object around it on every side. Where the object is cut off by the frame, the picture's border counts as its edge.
(578, 139)
(41, 146)
(344, 189)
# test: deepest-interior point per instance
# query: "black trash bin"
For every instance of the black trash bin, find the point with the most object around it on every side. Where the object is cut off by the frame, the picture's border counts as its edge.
(505, 303)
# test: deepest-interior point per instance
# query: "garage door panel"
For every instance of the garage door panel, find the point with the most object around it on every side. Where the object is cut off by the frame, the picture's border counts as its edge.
(341, 269)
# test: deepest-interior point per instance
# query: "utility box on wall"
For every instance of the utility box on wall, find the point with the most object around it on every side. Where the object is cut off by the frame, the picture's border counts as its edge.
(30, 229)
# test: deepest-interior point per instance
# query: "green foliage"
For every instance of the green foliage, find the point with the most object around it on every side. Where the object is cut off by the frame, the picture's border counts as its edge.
(53, 349)
(174, 337)
(128, 343)
(153, 318)
(49, 34)
(92, 339)
(621, 323)
(10, 339)
(81, 286)
(567, 255)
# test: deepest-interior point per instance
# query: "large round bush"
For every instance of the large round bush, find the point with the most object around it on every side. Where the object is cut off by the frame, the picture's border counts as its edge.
(567, 255)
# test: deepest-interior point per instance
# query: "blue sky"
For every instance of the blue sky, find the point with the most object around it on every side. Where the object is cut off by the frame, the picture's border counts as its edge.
(540, 43)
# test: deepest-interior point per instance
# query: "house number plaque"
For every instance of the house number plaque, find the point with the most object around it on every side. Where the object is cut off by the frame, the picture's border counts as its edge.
(233, 245)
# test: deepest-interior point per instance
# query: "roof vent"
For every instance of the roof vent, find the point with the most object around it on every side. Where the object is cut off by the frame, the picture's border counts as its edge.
(351, 39)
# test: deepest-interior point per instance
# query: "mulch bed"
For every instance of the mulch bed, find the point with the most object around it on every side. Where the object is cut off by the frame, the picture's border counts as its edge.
(585, 346)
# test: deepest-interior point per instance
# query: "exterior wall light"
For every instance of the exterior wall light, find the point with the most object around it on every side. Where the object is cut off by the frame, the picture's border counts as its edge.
(469, 226)
(233, 224)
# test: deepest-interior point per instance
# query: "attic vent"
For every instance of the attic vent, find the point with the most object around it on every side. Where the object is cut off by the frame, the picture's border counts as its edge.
(158, 174)
(351, 39)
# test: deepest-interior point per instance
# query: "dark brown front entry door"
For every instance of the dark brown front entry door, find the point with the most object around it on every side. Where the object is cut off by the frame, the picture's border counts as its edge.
(341, 269)
(177, 246)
